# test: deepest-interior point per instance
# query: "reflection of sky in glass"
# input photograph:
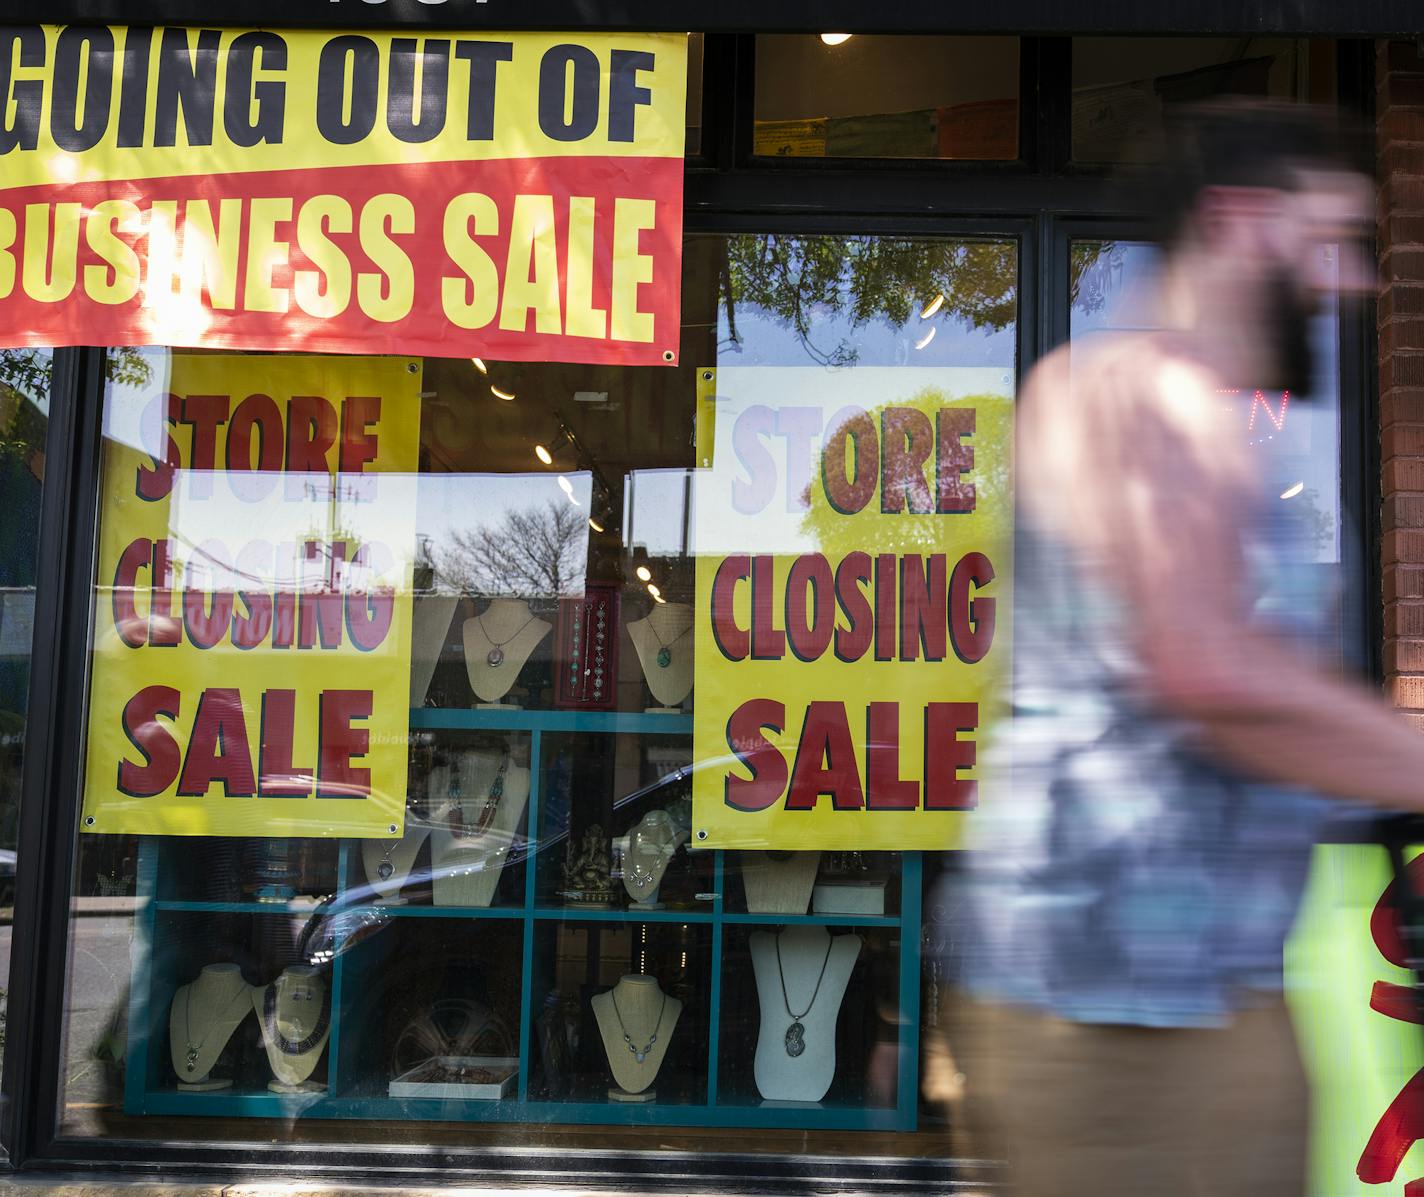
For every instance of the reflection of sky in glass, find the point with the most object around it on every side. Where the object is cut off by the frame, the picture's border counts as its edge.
(1297, 440)
(657, 511)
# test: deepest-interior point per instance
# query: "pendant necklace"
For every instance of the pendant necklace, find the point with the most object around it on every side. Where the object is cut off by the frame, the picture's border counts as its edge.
(796, 1033)
(639, 1053)
(491, 804)
(664, 657)
(495, 656)
(192, 1049)
(290, 1047)
(386, 867)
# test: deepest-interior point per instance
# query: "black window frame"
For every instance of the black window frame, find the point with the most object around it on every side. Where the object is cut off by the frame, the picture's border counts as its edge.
(1040, 200)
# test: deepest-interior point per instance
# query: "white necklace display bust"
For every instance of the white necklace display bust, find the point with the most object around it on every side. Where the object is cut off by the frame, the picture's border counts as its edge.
(498, 644)
(201, 1021)
(792, 1064)
(651, 846)
(779, 882)
(663, 642)
(296, 1024)
(636, 1020)
(468, 858)
(430, 624)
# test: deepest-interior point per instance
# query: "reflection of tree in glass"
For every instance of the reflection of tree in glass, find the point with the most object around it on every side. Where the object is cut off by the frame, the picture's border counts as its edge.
(1094, 272)
(536, 552)
(801, 280)
(24, 385)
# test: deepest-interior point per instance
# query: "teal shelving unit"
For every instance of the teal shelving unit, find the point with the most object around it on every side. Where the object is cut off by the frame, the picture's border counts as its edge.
(159, 967)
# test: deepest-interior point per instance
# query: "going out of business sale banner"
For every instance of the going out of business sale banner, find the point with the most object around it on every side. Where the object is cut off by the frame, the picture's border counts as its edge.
(507, 196)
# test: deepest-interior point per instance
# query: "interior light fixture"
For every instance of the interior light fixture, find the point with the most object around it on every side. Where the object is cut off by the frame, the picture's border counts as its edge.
(594, 524)
(1291, 492)
(543, 455)
(932, 307)
(835, 39)
(480, 365)
(566, 486)
(654, 591)
(657, 598)
(644, 573)
(498, 394)
(926, 339)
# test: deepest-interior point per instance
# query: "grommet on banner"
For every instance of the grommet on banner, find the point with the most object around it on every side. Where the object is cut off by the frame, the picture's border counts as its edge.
(702, 833)
(393, 829)
(89, 822)
(412, 367)
(669, 355)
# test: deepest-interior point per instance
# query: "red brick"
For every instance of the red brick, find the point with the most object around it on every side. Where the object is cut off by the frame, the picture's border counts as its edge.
(1405, 691)
(1402, 88)
(1401, 124)
(1403, 406)
(1401, 158)
(1402, 333)
(1402, 370)
(1400, 299)
(1403, 582)
(1402, 473)
(1402, 229)
(1404, 620)
(1402, 510)
(1402, 440)
(1399, 56)
(1402, 265)
(1404, 656)
(1403, 193)
(1403, 546)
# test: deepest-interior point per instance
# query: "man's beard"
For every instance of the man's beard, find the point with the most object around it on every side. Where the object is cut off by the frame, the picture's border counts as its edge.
(1290, 355)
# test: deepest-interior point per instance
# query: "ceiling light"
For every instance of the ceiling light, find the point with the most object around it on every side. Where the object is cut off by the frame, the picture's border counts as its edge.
(835, 39)
(933, 306)
(1293, 491)
(479, 365)
(566, 486)
(498, 394)
(543, 455)
(926, 339)
(594, 524)
(644, 573)
(657, 598)
(654, 591)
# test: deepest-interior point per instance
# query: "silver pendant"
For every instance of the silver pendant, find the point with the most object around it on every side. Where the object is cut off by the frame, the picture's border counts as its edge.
(495, 657)
(385, 869)
(795, 1040)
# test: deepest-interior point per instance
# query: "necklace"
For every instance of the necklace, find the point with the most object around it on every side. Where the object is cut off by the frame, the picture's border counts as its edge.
(192, 1049)
(664, 657)
(495, 656)
(796, 1033)
(284, 1045)
(639, 1053)
(491, 804)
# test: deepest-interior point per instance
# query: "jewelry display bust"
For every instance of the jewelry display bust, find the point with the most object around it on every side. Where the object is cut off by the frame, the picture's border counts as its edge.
(430, 624)
(651, 847)
(485, 797)
(801, 977)
(202, 1019)
(296, 1023)
(388, 863)
(636, 1020)
(498, 643)
(779, 882)
(663, 642)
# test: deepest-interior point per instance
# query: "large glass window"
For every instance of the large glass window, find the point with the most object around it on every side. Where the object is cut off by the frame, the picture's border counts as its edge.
(546, 948)
(24, 418)
(883, 96)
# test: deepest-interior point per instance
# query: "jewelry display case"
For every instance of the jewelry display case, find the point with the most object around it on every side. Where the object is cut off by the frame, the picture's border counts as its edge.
(421, 967)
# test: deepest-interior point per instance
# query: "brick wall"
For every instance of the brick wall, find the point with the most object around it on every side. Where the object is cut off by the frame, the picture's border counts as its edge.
(1400, 112)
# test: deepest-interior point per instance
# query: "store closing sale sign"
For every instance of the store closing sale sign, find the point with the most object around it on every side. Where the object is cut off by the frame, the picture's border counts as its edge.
(853, 584)
(251, 675)
(516, 197)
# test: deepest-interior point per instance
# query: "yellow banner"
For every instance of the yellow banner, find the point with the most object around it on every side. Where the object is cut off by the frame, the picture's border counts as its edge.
(252, 609)
(853, 534)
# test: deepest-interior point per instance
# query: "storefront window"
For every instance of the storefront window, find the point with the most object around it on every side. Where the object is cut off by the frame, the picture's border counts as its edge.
(1122, 86)
(24, 418)
(882, 96)
(545, 947)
